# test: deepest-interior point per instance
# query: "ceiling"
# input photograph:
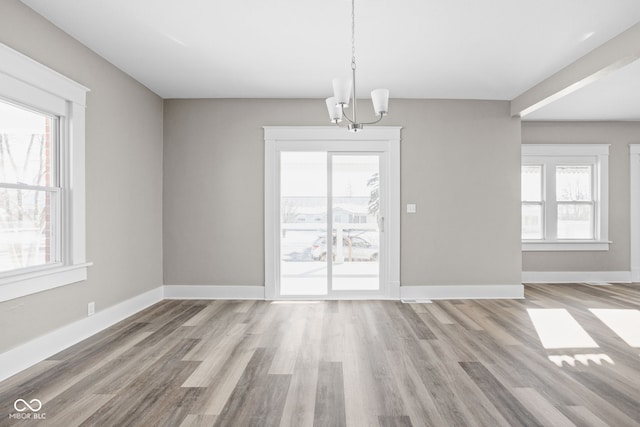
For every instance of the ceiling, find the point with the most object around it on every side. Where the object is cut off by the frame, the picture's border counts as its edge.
(453, 49)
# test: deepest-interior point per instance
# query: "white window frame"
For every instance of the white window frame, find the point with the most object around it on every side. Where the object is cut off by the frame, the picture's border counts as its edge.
(31, 84)
(552, 155)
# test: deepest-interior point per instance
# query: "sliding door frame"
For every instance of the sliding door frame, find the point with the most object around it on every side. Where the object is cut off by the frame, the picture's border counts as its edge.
(383, 139)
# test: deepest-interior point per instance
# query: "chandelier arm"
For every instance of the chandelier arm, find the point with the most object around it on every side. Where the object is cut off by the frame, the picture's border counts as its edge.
(345, 115)
(374, 122)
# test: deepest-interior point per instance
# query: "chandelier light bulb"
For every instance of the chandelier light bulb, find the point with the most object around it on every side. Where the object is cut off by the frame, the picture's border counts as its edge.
(335, 112)
(342, 91)
(380, 98)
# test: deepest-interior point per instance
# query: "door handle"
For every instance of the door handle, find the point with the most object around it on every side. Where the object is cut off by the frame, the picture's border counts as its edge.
(381, 224)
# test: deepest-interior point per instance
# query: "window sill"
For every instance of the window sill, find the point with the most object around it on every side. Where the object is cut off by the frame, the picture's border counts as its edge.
(24, 284)
(565, 245)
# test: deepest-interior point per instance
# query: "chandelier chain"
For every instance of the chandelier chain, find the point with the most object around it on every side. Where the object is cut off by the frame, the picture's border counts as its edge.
(353, 34)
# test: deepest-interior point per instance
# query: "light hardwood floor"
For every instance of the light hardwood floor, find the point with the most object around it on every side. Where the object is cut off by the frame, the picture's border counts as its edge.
(353, 363)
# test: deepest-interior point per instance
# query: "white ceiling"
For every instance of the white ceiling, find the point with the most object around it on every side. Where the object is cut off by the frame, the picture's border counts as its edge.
(455, 49)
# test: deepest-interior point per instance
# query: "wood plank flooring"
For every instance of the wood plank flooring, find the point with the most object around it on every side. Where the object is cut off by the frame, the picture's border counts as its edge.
(343, 363)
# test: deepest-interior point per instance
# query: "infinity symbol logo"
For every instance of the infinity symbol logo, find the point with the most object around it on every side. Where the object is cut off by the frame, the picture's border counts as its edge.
(21, 405)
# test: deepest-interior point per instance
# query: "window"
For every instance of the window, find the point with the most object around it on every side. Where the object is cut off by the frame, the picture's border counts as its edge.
(565, 197)
(29, 189)
(42, 223)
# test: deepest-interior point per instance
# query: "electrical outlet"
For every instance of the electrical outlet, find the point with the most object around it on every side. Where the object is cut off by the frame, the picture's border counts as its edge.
(91, 308)
(411, 208)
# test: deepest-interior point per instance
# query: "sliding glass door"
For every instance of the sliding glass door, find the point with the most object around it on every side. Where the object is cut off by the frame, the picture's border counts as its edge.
(331, 218)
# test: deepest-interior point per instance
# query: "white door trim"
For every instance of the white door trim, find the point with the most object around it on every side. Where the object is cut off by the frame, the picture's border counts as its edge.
(384, 139)
(634, 174)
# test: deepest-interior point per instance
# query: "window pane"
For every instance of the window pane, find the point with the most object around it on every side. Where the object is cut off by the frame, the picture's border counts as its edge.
(27, 228)
(303, 223)
(532, 183)
(573, 183)
(575, 221)
(532, 221)
(356, 210)
(26, 154)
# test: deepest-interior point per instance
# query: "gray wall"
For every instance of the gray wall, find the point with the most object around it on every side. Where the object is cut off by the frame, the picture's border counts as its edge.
(460, 165)
(465, 232)
(619, 135)
(124, 181)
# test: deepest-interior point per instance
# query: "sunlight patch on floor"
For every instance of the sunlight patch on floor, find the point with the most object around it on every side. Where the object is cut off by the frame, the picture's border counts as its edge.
(557, 328)
(625, 323)
(583, 359)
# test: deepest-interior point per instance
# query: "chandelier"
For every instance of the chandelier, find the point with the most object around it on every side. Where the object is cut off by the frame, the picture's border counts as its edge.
(343, 89)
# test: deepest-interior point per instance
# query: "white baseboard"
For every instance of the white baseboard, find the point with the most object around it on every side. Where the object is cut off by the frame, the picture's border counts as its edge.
(462, 292)
(34, 351)
(213, 292)
(576, 277)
